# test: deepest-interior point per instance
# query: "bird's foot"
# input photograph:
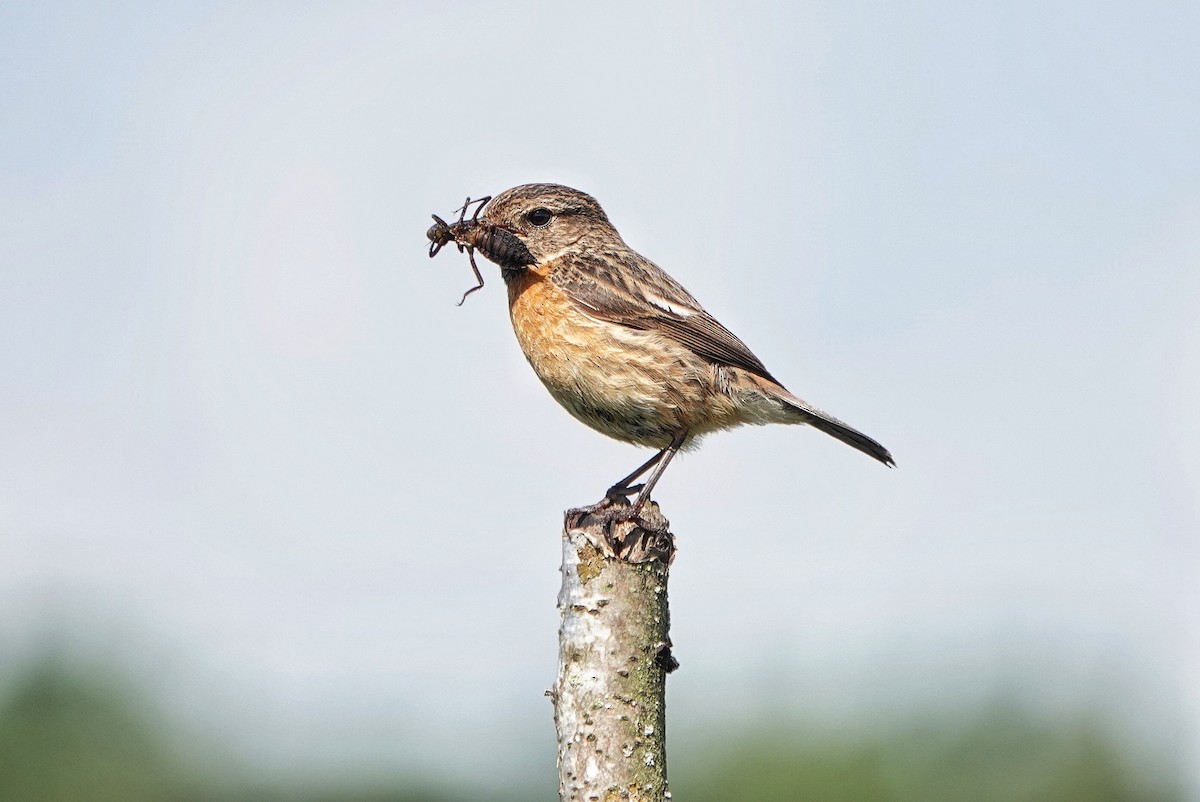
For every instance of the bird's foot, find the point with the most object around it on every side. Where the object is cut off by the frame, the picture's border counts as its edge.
(621, 531)
(615, 498)
(623, 491)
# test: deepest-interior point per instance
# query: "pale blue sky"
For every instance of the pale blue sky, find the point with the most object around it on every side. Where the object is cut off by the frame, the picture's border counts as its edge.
(252, 448)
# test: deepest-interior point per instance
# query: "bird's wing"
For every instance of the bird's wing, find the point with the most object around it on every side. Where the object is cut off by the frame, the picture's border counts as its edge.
(632, 291)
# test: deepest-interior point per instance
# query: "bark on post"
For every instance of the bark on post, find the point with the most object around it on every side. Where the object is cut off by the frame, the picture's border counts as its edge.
(614, 655)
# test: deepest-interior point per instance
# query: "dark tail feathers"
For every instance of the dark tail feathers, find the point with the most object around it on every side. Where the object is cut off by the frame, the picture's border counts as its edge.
(833, 427)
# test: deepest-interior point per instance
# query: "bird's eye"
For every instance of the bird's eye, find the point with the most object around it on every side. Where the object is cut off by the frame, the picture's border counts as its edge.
(539, 217)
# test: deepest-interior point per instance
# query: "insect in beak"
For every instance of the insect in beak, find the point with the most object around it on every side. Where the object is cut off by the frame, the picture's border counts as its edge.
(495, 242)
(461, 233)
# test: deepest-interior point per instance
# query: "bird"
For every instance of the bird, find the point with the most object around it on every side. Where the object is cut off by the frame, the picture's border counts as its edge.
(621, 345)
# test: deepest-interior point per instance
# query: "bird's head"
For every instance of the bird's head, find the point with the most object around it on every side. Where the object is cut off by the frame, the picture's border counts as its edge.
(545, 220)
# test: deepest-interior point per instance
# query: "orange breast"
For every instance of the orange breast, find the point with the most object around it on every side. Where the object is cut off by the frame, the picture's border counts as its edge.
(632, 385)
(561, 343)
(541, 314)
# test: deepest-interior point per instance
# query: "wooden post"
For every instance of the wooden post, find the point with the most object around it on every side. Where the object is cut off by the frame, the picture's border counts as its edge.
(613, 658)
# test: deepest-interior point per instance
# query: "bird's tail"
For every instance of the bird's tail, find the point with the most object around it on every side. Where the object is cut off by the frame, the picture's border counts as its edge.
(820, 419)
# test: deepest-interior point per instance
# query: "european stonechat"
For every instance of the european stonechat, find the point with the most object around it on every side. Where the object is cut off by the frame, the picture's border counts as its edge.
(619, 343)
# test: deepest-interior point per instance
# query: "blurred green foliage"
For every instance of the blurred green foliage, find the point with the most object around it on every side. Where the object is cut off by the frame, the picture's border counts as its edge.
(75, 736)
(64, 737)
(996, 755)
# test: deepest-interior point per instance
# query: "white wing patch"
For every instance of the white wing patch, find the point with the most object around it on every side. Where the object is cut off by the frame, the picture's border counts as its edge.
(673, 308)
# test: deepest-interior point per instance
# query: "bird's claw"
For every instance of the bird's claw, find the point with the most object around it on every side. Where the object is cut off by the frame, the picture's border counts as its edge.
(618, 492)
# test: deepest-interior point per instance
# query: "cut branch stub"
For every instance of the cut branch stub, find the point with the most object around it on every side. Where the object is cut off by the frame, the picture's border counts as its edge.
(644, 538)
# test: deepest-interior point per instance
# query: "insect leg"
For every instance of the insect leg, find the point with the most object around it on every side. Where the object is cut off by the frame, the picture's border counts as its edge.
(482, 202)
(478, 275)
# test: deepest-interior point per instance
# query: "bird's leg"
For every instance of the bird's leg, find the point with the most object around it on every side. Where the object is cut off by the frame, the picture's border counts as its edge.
(664, 459)
(614, 507)
(623, 489)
